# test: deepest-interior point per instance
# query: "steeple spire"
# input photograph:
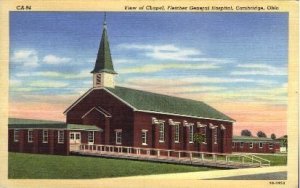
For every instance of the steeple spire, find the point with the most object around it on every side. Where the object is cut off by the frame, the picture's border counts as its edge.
(103, 73)
(104, 61)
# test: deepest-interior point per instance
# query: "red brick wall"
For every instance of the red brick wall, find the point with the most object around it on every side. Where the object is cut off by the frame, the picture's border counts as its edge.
(256, 149)
(122, 115)
(37, 146)
(144, 121)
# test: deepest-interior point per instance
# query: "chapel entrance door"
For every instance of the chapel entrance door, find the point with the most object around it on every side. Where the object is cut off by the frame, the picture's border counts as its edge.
(75, 141)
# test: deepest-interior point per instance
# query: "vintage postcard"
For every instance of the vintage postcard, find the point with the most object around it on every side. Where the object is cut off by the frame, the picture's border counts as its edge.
(149, 94)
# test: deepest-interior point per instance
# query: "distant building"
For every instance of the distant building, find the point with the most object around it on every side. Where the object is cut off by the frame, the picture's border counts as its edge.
(250, 144)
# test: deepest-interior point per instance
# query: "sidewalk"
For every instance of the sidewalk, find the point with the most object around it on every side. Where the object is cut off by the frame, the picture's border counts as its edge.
(214, 174)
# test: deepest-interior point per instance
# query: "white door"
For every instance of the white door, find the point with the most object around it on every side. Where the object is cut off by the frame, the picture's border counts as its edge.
(75, 140)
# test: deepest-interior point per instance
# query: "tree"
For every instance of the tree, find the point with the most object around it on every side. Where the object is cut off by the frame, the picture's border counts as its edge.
(198, 138)
(261, 134)
(246, 132)
(273, 136)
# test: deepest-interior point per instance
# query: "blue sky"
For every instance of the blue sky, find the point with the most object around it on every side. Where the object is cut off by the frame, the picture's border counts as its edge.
(214, 57)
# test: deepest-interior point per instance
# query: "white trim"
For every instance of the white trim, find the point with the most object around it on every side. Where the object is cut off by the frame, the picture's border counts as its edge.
(262, 144)
(177, 133)
(199, 125)
(146, 111)
(93, 137)
(98, 110)
(250, 145)
(44, 130)
(29, 141)
(161, 133)
(120, 136)
(145, 132)
(271, 144)
(16, 131)
(191, 136)
(78, 100)
(172, 114)
(58, 137)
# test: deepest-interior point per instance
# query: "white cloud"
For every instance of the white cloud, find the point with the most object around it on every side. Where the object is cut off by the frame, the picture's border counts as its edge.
(52, 59)
(172, 52)
(54, 74)
(14, 83)
(260, 69)
(26, 58)
(160, 67)
(48, 84)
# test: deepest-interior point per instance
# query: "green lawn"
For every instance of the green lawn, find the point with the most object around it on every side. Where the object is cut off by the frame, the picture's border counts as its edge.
(35, 166)
(276, 160)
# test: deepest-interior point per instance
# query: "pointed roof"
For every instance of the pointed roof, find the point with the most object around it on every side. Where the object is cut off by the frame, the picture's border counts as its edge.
(104, 61)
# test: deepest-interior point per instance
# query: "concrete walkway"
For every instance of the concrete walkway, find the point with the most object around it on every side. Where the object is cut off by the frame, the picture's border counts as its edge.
(222, 174)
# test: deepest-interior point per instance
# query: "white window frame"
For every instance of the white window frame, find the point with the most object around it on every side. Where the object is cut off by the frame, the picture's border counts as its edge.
(191, 134)
(204, 134)
(16, 135)
(270, 145)
(118, 134)
(177, 133)
(216, 135)
(241, 144)
(29, 135)
(91, 137)
(45, 136)
(250, 145)
(161, 132)
(233, 144)
(260, 143)
(144, 137)
(60, 137)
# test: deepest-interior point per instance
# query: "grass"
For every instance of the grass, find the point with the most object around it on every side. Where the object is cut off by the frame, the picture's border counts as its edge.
(276, 160)
(36, 166)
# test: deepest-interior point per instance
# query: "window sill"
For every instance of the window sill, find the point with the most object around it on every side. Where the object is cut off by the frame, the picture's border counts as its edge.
(176, 142)
(191, 142)
(30, 141)
(118, 143)
(144, 144)
(204, 143)
(45, 142)
(161, 141)
(215, 143)
(60, 142)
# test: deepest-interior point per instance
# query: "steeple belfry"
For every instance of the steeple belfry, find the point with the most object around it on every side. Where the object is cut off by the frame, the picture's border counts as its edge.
(103, 73)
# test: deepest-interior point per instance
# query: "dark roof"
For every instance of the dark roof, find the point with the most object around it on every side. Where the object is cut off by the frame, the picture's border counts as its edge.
(251, 139)
(104, 60)
(147, 101)
(45, 124)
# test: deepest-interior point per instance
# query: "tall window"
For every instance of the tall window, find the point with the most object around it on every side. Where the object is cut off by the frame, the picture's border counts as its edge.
(61, 137)
(251, 145)
(91, 137)
(161, 132)
(216, 135)
(45, 136)
(144, 137)
(16, 135)
(30, 136)
(204, 134)
(260, 145)
(176, 139)
(118, 136)
(241, 144)
(191, 134)
(233, 144)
